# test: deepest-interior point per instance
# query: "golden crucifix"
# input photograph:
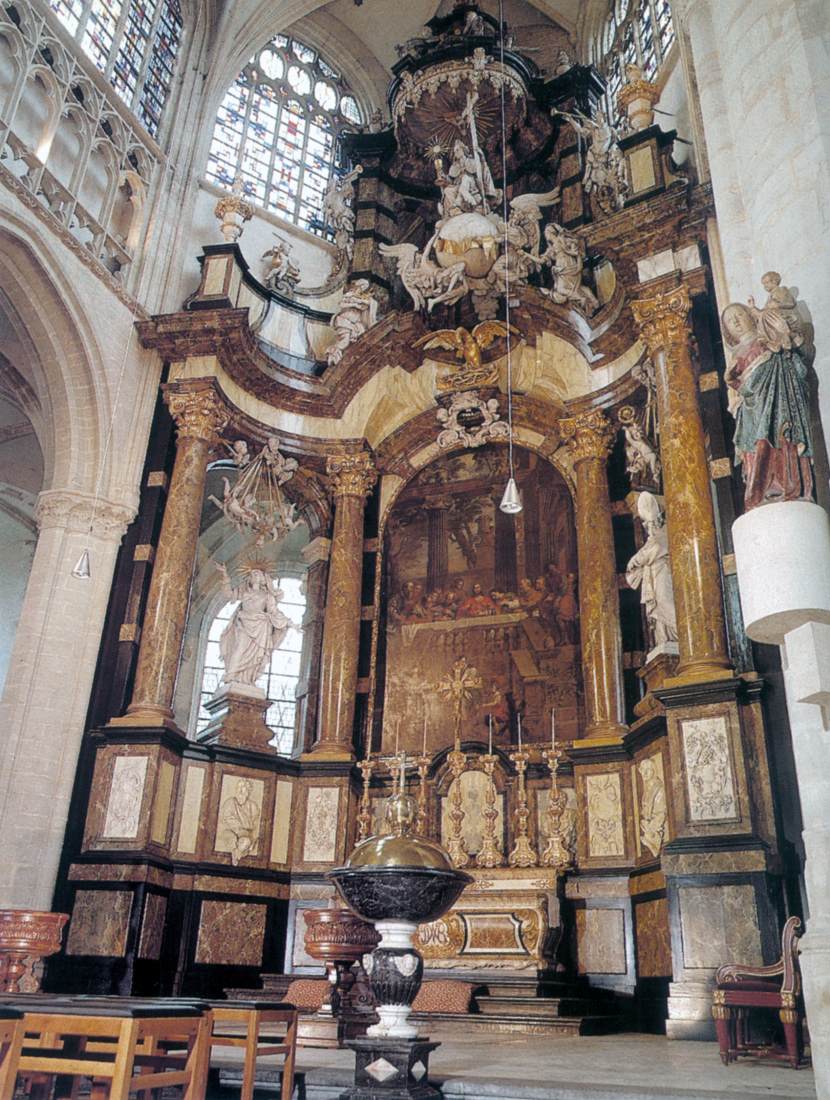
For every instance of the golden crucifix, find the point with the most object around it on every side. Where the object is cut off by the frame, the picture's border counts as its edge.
(458, 688)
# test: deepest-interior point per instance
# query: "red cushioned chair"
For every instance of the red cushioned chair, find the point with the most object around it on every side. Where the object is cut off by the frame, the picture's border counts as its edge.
(738, 989)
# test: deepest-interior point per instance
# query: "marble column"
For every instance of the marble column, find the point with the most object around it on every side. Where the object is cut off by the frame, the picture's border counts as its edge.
(200, 416)
(690, 515)
(589, 438)
(316, 556)
(50, 676)
(352, 477)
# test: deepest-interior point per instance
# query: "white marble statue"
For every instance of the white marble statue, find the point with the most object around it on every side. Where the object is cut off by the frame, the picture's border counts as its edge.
(356, 313)
(641, 459)
(604, 165)
(426, 283)
(467, 187)
(649, 571)
(280, 271)
(256, 628)
(653, 809)
(564, 256)
(338, 212)
(522, 238)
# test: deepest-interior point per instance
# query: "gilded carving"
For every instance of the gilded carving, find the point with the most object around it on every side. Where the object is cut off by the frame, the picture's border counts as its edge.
(709, 779)
(589, 435)
(442, 938)
(605, 825)
(663, 320)
(199, 414)
(351, 475)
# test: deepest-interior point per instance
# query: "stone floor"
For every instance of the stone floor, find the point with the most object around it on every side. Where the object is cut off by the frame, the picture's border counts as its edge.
(614, 1067)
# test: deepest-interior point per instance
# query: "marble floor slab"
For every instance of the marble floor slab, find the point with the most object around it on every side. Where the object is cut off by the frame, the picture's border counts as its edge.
(614, 1067)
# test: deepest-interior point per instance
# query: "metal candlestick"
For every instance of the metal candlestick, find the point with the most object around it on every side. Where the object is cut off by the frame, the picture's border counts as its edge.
(422, 763)
(556, 853)
(490, 854)
(523, 854)
(457, 761)
(364, 817)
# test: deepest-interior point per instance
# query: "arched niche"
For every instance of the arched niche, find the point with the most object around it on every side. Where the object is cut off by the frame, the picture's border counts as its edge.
(463, 582)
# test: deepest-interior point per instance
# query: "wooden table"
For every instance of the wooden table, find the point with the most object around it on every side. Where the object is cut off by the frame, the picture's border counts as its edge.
(249, 1017)
(118, 1042)
(11, 1035)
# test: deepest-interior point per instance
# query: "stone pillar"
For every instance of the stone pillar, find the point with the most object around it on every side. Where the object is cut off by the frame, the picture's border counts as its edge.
(316, 556)
(47, 690)
(690, 516)
(590, 438)
(199, 415)
(352, 477)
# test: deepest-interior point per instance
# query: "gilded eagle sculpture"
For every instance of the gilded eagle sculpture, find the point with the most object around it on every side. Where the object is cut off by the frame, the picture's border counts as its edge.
(468, 346)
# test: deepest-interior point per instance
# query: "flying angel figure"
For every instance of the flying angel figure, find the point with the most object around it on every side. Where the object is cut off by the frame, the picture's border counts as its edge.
(426, 283)
(467, 346)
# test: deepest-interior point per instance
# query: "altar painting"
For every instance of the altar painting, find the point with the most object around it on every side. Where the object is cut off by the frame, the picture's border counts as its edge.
(471, 590)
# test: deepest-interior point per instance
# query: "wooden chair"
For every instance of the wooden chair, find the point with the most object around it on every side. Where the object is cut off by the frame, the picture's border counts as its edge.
(240, 1024)
(738, 989)
(11, 1036)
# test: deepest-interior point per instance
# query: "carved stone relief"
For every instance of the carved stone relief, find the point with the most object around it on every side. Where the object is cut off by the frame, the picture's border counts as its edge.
(320, 843)
(240, 813)
(709, 780)
(651, 803)
(126, 792)
(605, 825)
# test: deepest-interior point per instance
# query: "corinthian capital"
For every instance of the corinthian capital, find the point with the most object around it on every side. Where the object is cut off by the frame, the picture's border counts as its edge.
(351, 475)
(663, 320)
(199, 411)
(589, 435)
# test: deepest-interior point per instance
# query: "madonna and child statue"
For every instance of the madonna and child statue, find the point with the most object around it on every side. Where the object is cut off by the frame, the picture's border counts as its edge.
(769, 398)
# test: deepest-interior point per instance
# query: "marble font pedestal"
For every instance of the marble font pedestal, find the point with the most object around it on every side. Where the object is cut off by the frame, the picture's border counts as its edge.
(392, 1069)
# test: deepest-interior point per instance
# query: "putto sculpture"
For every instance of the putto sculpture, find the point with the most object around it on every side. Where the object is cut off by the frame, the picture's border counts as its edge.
(281, 273)
(356, 313)
(770, 398)
(256, 503)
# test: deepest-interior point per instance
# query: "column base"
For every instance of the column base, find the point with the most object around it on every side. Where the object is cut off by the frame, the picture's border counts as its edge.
(147, 718)
(329, 750)
(391, 1069)
(699, 672)
(605, 732)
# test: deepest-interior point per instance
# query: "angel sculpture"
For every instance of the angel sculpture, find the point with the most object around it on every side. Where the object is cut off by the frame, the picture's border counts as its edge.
(468, 347)
(521, 235)
(564, 255)
(604, 172)
(426, 283)
(338, 212)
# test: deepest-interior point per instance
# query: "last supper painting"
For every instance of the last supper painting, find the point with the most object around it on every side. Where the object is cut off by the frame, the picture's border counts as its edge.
(464, 582)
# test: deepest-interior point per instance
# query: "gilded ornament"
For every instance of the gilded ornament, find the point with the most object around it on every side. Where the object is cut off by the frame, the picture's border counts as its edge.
(663, 320)
(589, 435)
(199, 414)
(351, 475)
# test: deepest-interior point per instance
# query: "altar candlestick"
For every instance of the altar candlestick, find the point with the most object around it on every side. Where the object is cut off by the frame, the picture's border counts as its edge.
(403, 773)
(397, 731)
(490, 749)
(424, 750)
(520, 732)
(552, 729)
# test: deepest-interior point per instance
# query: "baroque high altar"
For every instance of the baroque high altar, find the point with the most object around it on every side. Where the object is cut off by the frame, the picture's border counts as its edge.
(571, 685)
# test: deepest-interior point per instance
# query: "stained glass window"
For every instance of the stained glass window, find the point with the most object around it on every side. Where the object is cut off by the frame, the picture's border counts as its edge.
(279, 681)
(133, 42)
(278, 129)
(636, 32)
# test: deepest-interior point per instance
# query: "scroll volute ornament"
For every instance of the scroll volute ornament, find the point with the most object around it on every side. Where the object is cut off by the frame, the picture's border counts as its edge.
(351, 475)
(199, 414)
(663, 320)
(589, 435)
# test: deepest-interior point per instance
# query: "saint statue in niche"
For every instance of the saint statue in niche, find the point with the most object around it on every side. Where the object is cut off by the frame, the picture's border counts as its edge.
(256, 628)
(649, 571)
(770, 401)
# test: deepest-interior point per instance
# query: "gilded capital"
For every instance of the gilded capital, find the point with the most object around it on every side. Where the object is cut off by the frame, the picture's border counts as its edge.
(351, 475)
(663, 320)
(589, 435)
(199, 414)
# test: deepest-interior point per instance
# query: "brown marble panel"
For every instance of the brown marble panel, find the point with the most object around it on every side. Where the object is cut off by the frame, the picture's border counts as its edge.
(231, 933)
(152, 927)
(100, 922)
(653, 940)
(719, 925)
(601, 941)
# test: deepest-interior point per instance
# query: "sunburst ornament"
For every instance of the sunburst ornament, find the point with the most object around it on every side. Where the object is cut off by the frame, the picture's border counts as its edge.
(258, 565)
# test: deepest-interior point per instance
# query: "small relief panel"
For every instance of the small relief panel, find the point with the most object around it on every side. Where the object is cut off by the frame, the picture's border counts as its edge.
(709, 780)
(231, 933)
(605, 824)
(100, 921)
(650, 805)
(123, 814)
(240, 814)
(320, 842)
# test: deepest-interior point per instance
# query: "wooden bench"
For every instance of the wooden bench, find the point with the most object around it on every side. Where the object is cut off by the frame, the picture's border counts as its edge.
(250, 1017)
(739, 989)
(117, 1042)
(11, 1036)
